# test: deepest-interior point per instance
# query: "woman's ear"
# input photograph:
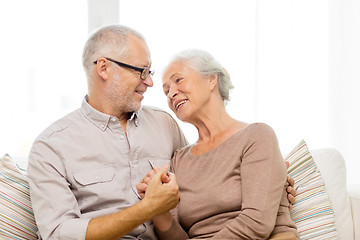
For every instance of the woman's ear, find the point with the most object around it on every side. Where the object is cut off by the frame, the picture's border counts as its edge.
(213, 80)
(102, 68)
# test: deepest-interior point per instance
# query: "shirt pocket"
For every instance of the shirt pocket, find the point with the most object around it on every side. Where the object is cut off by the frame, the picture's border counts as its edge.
(156, 162)
(94, 176)
(95, 186)
(146, 165)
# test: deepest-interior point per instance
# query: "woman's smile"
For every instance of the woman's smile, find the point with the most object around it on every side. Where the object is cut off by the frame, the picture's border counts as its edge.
(180, 103)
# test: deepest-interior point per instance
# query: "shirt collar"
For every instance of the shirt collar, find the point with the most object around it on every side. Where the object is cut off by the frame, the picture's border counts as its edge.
(135, 117)
(101, 120)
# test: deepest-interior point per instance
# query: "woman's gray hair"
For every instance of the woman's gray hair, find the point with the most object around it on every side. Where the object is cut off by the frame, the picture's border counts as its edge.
(206, 65)
(104, 42)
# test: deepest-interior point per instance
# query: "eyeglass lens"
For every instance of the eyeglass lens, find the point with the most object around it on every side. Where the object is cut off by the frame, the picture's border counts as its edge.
(144, 74)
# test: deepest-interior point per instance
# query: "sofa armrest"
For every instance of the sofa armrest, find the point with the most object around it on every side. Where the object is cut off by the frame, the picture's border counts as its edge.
(354, 193)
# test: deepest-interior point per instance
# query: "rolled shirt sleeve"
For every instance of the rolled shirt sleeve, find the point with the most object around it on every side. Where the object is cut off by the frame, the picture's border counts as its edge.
(74, 229)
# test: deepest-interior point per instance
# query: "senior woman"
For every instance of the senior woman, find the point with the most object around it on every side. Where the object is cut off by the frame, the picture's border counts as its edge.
(232, 181)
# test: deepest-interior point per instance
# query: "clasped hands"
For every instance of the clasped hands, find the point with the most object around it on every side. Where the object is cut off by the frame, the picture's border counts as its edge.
(159, 188)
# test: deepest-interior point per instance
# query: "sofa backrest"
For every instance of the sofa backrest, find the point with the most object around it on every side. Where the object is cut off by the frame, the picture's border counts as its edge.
(333, 170)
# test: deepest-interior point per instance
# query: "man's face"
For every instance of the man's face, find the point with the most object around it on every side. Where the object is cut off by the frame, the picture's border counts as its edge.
(126, 89)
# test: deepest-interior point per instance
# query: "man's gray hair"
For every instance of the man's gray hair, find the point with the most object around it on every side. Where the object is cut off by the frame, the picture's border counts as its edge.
(206, 65)
(104, 42)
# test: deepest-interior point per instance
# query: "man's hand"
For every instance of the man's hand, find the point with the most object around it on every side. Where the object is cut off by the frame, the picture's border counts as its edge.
(161, 194)
(161, 221)
(142, 185)
(161, 190)
(290, 189)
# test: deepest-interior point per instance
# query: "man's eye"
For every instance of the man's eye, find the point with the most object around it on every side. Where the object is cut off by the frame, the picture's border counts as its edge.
(178, 80)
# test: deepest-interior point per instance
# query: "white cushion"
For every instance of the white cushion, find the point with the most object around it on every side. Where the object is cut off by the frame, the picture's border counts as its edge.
(332, 167)
(312, 211)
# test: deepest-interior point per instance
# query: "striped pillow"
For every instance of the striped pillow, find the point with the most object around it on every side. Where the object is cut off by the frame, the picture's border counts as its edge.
(312, 211)
(16, 215)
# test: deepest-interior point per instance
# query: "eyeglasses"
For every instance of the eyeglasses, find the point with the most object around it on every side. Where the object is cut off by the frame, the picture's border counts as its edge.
(144, 72)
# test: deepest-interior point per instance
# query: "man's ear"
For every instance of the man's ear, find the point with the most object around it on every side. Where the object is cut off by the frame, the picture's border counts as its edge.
(102, 68)
(213, 80)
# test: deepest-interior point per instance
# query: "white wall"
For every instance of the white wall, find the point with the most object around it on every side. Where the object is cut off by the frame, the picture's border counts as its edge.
(344, 82)
(41, 73)
(294, 64)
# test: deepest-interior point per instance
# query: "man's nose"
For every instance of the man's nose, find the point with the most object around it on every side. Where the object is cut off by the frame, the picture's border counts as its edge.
(148, 81)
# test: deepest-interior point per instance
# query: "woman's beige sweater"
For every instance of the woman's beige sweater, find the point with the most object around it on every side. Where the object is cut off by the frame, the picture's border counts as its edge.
(235, 191)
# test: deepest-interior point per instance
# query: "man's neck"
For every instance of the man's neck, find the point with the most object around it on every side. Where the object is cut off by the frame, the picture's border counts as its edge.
(123, 118)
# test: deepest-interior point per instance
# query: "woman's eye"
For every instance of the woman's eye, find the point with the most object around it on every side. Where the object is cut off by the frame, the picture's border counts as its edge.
(178, 80)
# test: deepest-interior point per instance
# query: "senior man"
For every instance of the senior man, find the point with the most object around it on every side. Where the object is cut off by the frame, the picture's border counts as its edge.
(84, 168)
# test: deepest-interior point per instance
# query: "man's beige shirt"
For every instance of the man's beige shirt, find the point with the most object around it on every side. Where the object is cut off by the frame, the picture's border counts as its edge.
(85, 166)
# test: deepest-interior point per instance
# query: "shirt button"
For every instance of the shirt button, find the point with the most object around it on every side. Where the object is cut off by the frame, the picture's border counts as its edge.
(113, 119)
(122, 137)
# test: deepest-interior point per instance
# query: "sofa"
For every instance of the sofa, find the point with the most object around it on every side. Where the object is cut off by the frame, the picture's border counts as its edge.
(325, 208)
(344, 198)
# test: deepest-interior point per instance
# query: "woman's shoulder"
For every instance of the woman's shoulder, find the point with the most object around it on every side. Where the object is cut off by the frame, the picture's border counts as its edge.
(258, 128)
(183, 150)
(181, 157)
(260, 132)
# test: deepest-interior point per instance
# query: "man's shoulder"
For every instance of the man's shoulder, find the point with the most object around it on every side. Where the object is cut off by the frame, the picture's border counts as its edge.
(158, 117)
(59, 125)
(151, 110)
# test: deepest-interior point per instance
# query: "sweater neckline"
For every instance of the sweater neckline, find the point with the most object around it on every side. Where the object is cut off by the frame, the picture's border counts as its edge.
(239, 132)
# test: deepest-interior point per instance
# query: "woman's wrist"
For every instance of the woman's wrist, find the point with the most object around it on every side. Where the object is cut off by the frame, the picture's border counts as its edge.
(163, 221)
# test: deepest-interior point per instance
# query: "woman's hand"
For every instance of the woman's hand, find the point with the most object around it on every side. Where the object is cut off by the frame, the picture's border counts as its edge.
(142, 185)
(290, 189)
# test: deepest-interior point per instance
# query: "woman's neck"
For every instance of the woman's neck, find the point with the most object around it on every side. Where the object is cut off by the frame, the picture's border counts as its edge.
(210, 125)
(214, 127)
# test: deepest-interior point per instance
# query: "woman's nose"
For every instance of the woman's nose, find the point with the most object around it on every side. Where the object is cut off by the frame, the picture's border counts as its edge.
(172, 93)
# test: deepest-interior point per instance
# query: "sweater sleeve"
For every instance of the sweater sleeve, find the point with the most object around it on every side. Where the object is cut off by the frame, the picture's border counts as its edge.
(263, 179)
(175, 232)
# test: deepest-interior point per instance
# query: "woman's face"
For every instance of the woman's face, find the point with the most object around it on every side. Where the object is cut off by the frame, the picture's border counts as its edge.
(186, 90)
